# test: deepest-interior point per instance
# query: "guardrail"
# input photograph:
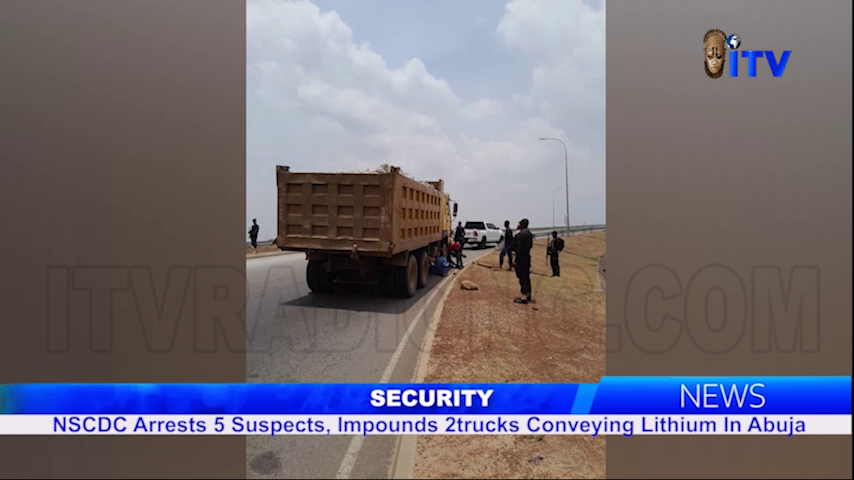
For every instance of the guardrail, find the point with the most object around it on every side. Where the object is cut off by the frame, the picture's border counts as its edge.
(562, 231)
(538, 232)
(545, 231)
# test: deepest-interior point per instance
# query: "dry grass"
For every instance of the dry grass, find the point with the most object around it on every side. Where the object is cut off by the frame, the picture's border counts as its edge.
(483, 337)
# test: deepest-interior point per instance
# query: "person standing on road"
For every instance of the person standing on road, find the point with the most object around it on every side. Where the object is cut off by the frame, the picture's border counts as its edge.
(460, 233)
(524, 241)
(507, 249)
(253, 233)
(456, 248)
(460, 237)
(553, 250)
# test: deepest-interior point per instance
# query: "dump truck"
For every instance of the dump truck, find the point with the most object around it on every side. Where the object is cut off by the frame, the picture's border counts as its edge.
(378, 228)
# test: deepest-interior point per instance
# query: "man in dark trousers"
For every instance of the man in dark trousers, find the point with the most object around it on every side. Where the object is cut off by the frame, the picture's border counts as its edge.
(456, 257)
(456, 248)
(554, 249)
(253, 233)
(524, 241)
(507, 249)
(460, 233)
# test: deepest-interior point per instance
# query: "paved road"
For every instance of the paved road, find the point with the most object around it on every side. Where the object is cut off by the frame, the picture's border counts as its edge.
(355, 337)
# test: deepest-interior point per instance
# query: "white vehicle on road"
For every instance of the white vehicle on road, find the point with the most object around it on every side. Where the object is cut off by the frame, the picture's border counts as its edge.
(482, 233)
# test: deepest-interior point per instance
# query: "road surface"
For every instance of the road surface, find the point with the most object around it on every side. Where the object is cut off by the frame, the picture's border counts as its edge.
(356, 337)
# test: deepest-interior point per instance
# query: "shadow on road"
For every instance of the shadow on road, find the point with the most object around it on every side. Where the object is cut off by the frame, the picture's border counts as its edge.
(367, 298)
(360, 298)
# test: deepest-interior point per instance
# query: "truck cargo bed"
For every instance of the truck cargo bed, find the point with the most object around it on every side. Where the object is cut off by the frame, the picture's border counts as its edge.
(375, 214)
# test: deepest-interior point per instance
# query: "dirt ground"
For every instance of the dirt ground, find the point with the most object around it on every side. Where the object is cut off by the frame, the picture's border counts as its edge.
(483, 337)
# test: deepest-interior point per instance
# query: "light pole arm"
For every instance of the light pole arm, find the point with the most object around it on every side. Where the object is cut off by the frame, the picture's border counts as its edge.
(566, 163)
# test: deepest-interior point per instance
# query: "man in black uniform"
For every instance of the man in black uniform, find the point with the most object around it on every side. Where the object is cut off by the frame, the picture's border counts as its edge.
(253, 234)
(555, 246)
(459, 233)
(508, 247)
(524, 241)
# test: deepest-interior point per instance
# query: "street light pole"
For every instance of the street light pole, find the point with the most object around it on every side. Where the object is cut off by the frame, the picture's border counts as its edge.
(553, 205)
(566, 163)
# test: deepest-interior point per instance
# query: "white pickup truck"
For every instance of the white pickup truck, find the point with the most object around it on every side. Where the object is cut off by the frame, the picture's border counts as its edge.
(482, 233)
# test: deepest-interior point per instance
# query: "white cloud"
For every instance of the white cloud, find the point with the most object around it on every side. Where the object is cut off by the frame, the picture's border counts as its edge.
(480, 109)
(318, 100)
(566, 39)
(327, 125)
(553, 30)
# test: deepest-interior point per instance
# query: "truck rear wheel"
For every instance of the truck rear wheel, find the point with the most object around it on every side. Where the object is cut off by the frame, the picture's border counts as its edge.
(319, 280)
(406, 280)
(483, 242)
(423, 269)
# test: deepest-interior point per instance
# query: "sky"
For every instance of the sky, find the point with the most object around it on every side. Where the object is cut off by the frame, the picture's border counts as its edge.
(460, 91)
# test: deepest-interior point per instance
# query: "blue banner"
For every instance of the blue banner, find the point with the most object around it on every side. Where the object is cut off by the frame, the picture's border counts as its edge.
(612, 395)
(725, 395)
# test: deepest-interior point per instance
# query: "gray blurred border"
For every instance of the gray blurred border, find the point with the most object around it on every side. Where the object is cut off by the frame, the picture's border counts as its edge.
(122, 138)
(735, 178)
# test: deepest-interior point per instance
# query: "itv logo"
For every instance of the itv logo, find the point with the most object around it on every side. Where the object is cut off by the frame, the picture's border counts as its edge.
(717, 43)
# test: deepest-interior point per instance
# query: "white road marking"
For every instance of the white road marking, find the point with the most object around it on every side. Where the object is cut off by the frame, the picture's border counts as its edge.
(400, 346)
(349, 461)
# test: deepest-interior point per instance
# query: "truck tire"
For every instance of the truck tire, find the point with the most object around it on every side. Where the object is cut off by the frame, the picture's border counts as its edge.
(317, 277)
(423, 268)
(483, 242)
(406, 278)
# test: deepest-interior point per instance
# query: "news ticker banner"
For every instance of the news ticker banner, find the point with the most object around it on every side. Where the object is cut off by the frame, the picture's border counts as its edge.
(624, 406)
